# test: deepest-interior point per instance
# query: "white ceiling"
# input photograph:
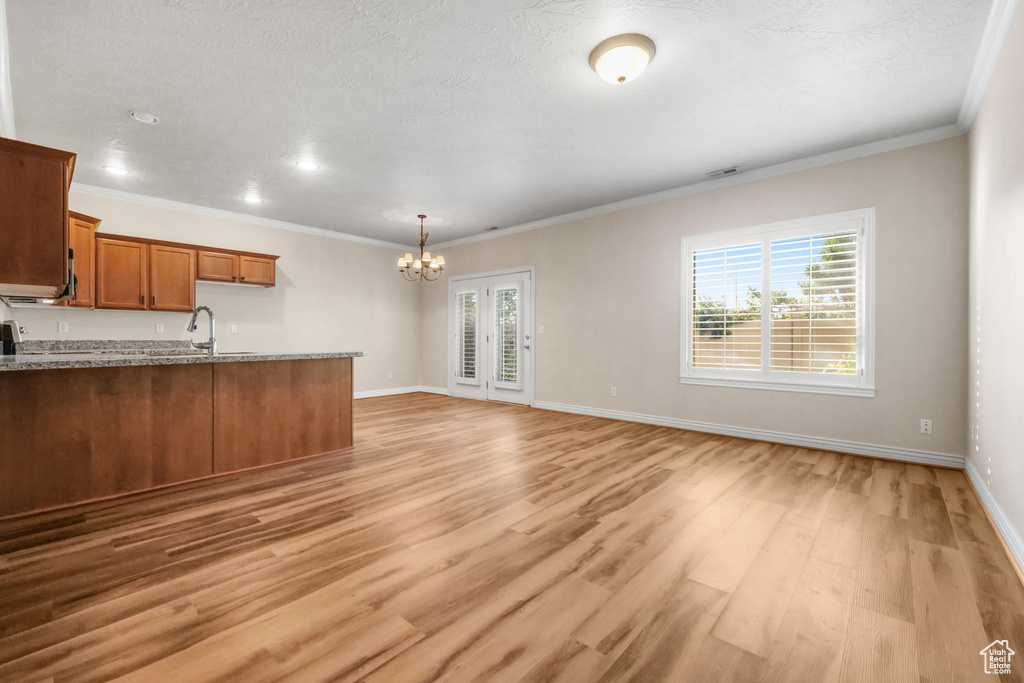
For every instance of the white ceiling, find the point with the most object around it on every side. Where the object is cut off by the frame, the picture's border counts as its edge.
(475, 112)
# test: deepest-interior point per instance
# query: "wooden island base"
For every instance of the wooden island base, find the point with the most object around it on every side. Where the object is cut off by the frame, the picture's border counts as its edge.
(75, 435)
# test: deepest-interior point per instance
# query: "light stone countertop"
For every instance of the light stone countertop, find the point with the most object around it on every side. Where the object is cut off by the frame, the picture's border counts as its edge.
(66, 355)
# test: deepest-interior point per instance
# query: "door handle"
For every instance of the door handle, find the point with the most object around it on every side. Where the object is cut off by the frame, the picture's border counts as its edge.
(526, 346)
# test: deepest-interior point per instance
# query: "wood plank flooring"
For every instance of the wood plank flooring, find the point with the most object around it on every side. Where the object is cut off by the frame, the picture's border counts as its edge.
(468, 541)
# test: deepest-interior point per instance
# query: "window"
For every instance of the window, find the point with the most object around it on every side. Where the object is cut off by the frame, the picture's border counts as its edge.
(783, 306)
(506, 333)
(465, 307)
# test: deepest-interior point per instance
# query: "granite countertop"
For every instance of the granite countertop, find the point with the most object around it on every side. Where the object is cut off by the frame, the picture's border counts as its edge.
(68, 354)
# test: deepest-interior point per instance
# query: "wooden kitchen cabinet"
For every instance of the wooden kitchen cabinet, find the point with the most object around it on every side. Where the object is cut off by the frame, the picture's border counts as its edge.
(254, 270)
(136, 273)
(273, 411)
(34, 219)
(122, 280)
(82, 238)
(127, 429)
(172, 278)
(217, 266)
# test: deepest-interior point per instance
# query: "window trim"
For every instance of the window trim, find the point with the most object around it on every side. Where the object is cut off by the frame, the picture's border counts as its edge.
(862, 384)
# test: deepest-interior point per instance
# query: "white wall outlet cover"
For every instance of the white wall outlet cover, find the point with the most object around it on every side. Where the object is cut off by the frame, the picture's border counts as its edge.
(926, 426)
(540, 329)
(159, 327)
(62, 327)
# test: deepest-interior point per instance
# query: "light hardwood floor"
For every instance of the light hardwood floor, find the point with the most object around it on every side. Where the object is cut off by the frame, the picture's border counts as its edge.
(471, 541)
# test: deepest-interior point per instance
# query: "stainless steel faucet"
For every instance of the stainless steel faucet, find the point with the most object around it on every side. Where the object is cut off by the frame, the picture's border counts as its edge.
(211, 345)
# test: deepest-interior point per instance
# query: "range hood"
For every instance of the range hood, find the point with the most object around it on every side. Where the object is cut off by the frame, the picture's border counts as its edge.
(25, 301)
(36, 263)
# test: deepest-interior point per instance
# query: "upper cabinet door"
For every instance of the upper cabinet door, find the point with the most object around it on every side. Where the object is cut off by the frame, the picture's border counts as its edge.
(256, 271)
(82, 237)
(34, 184)
(121, 280)
(217, 266)
(172, 285)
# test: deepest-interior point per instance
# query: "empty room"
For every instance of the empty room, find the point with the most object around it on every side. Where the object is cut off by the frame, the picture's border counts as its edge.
(511, 340)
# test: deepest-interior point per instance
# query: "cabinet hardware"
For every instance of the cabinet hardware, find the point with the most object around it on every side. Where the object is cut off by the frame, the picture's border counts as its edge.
(142, 300)
(153, 301)
(242, 278)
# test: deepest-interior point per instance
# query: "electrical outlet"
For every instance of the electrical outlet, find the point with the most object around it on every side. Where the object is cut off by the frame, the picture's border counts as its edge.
(540, 329)
(614, 391)
(159, 327)
(926, 426)
(62, 327)
(234, 328)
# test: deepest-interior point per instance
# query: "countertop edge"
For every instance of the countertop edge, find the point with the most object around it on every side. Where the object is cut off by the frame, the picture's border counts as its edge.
(25, 362)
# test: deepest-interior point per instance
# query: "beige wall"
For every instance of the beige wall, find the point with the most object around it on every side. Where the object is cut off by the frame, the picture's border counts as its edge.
(608, 294)
(996, 322)
(331, 295)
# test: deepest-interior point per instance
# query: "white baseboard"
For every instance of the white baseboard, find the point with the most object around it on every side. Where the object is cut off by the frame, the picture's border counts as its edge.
(399, 390)
(1013, 539)
(815, 442)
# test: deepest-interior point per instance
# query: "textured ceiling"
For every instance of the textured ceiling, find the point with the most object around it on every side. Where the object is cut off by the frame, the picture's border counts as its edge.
(475, 112)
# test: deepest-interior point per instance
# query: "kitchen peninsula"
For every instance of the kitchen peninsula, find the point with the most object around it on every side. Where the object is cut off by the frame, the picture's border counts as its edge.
(90, 420)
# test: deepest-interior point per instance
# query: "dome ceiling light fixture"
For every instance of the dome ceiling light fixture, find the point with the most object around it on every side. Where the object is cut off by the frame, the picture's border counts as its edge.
(426, 267)
(622, 58)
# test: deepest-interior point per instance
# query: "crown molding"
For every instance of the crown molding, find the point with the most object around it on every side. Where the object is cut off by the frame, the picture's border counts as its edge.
(230, 215)
(6, 97)
(1000, 17)
(868, 149)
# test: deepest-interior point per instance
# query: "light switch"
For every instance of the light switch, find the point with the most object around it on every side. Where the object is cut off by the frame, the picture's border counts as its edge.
(540, 329)
(234, 328)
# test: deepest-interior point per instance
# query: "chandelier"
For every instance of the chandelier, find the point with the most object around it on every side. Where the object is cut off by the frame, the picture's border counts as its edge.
(426, 267)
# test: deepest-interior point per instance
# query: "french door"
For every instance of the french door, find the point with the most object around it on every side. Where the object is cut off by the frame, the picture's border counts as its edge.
(492, 337)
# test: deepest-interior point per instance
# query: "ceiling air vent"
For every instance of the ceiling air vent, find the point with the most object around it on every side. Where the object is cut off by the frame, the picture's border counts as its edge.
(492, 228)
(721, 173)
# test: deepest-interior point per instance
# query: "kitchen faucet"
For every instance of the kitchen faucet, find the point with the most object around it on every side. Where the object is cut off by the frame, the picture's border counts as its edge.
(211, 345)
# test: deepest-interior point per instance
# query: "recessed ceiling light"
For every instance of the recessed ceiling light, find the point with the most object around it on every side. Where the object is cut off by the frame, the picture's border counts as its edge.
(622, 58)
(115, 170)
(307, 165)
(144, 117)
(253, 198)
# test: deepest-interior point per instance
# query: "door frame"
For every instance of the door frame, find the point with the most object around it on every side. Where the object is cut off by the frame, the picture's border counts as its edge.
(532, 329)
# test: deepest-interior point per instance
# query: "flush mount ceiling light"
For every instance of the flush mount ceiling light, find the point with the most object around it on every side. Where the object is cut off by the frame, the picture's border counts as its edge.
(144, 117)
(622, 58)
(426, 267)
(307, 165)
(115, 170)
(253, 198)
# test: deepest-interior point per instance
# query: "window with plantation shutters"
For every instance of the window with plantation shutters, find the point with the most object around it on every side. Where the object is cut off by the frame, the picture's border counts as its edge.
(783, 306)
(814, 303)
(466, 330)
(726, 320)
(506, 331)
